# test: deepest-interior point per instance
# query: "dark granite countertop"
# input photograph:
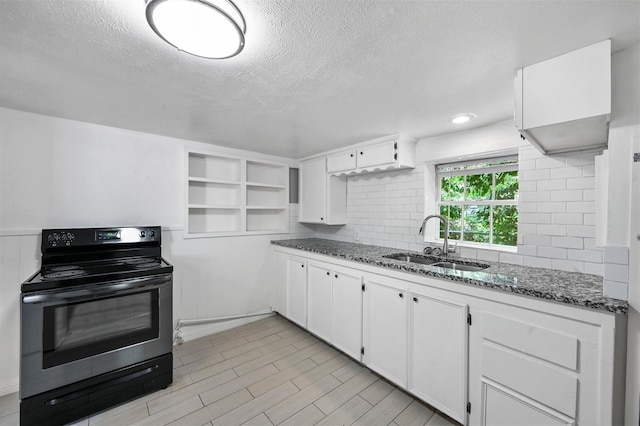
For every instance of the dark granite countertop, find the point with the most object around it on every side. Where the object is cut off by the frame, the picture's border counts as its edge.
(584, 290)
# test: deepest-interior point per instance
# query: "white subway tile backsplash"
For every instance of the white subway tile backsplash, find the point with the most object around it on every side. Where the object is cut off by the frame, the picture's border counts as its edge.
(567, 218)
(535, 218)
(514, 259)
(616, 290)
(589, 170)
(583, 231)
(529, 175)
(567, 242)
(560, 230)
(617, 255)
(594, 268)
(535, 196)
(593, 256)
(551, 184)
(488, 255)
(614, 272)
(527, 250)
(552, 252)
(581, 207)
(567, 195)
(567, 265)
(581, 183)
(565, 172)
(527, 186)
(552, 207)
(536, 262)
(550, 162)
(556, 224)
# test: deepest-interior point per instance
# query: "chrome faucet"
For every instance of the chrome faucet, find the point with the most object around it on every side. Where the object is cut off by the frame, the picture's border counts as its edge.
(445, 246)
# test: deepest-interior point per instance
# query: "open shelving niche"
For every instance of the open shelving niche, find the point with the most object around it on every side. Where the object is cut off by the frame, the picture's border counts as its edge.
(229, 195)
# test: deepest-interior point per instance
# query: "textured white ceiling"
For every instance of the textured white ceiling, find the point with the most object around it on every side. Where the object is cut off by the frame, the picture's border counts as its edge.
(314, 75)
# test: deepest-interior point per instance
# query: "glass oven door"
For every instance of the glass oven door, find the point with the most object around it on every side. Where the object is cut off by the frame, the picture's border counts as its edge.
(85, 328)
(72, 334)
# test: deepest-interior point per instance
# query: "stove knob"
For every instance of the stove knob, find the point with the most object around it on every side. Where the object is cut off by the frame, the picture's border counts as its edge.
(153, 234)
(143, 234)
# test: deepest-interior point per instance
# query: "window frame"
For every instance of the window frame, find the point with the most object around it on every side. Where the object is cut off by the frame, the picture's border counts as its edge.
(473, 167)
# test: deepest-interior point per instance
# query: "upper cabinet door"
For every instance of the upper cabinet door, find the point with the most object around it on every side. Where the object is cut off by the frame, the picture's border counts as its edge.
(341, 161)
(378, 154)
(313, 190)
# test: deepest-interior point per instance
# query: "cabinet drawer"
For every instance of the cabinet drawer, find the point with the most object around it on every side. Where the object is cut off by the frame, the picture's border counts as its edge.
(533, 340)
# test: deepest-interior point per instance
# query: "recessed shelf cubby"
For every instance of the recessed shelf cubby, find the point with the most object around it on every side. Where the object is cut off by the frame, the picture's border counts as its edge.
(226, 195)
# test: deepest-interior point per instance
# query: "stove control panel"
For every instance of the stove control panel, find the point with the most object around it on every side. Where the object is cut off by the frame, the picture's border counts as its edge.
(79, 237)
(60, 239)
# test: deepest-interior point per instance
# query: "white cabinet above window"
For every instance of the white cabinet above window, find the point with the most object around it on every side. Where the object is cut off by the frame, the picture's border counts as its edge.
(229, 195)
(379, 155)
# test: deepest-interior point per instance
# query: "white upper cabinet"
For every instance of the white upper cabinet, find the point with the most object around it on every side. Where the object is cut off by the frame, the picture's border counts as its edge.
(323, 198)
(563, 104)
(388, 153)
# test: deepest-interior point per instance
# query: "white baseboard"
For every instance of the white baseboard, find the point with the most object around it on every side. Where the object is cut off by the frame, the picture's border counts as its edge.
(191, 332)
(6, 390)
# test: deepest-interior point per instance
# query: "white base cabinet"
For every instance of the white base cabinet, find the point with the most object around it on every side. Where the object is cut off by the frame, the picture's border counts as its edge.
(438, 336)
(480, 356)
(297, 290)
(385, 330)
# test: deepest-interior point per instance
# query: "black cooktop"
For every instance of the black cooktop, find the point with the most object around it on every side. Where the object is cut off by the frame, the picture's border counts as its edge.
(58, 276)
(79, 256)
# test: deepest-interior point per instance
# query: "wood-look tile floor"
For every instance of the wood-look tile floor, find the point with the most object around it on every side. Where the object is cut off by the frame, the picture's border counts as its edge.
(268, 372)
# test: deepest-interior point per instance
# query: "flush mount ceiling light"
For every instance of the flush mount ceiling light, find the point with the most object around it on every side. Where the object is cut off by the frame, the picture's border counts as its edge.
(462, 118)
(211, 29)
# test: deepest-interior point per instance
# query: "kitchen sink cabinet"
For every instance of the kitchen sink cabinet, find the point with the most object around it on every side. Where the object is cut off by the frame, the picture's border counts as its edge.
(323, 198)
(385, 329)
(438, 353)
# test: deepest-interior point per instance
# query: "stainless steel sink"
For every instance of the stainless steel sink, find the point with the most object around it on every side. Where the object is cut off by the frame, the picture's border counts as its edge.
(413, 259)
(459, 266)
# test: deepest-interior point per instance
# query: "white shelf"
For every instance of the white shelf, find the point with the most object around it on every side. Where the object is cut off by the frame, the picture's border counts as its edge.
(218, 181)
(235, 196)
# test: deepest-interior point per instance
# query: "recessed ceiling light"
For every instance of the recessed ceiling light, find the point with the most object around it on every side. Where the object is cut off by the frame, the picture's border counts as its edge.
(212, 29)
(462, 118)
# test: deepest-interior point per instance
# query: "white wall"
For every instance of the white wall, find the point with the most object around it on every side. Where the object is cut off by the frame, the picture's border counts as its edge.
(63, 173)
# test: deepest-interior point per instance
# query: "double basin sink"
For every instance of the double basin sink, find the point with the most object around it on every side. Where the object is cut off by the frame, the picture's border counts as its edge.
(433, 261)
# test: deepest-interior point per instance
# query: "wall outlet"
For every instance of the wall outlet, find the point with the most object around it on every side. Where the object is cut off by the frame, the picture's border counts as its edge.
(356, 235)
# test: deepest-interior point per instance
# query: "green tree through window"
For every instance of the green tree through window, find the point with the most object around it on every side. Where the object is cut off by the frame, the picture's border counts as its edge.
(480, 199)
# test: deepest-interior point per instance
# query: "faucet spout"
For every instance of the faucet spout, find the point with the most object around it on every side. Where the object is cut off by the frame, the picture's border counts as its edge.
(445, 221)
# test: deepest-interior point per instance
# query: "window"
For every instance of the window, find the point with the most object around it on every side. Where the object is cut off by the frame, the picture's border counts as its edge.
(480, 198)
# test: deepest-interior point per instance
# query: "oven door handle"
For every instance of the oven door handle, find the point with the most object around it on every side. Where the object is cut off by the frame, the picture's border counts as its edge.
(99, 290)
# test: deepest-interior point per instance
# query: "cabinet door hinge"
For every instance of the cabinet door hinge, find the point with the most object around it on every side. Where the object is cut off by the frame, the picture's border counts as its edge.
(363, 287)
(469, 319)
(395, 145)
(362, 350)
(395, 156)
(469, 407)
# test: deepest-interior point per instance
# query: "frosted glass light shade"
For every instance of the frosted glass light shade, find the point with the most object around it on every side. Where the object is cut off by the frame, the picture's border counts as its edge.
(208, 28)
